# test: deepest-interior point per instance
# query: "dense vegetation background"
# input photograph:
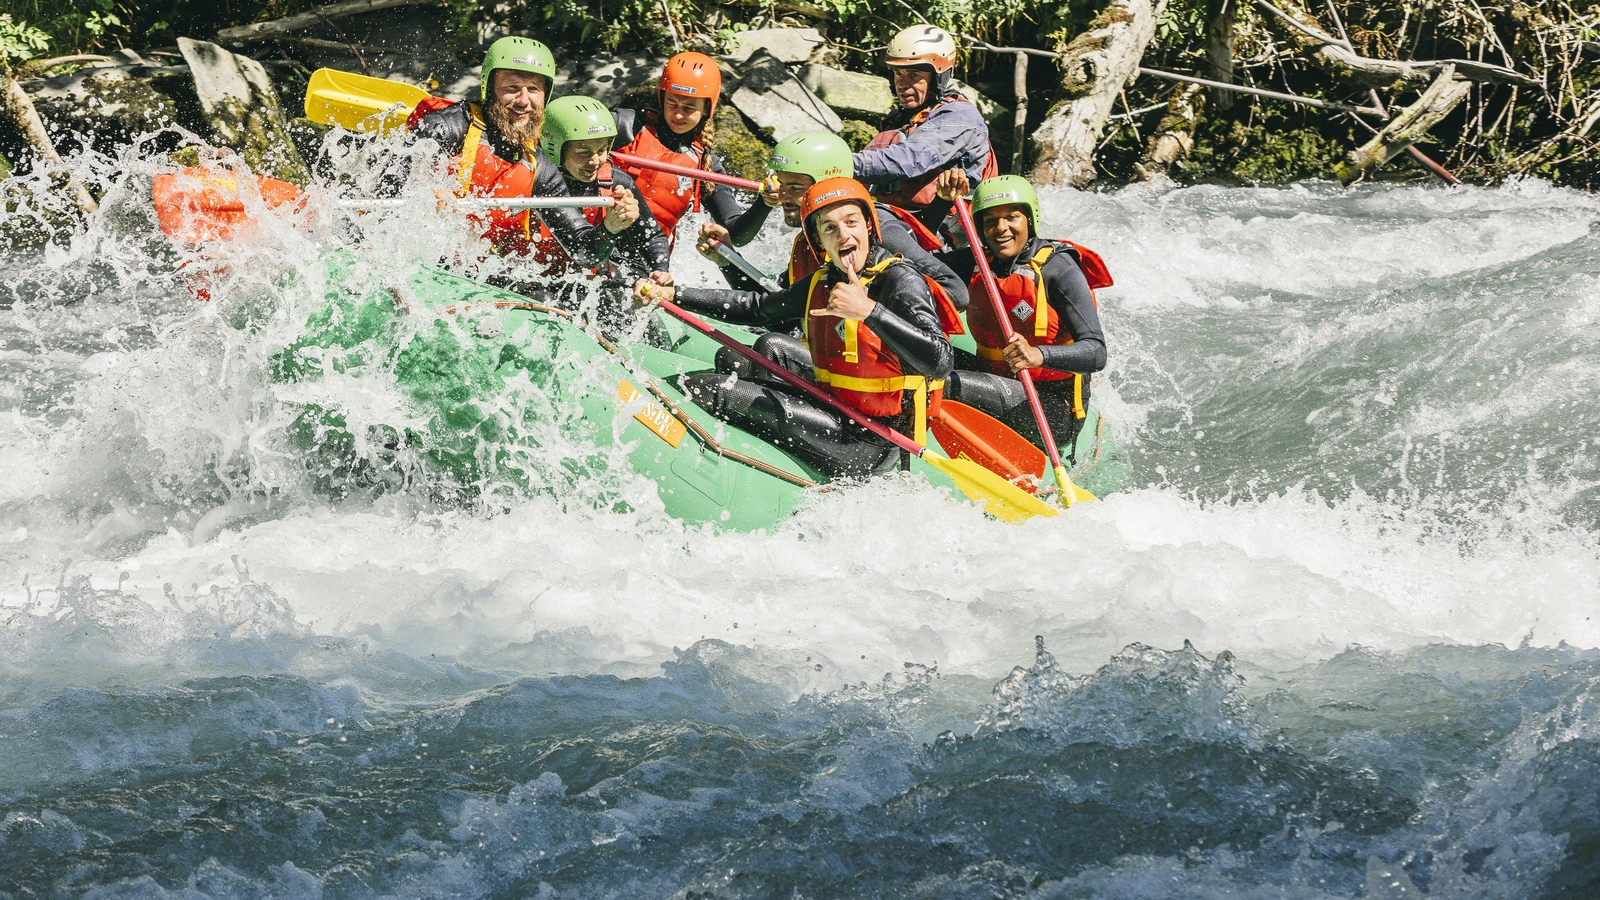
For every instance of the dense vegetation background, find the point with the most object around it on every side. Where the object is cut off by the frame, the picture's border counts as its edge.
(1499, 132)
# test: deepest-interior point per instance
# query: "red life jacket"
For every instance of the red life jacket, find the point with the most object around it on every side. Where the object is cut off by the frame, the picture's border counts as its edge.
(669, 196)
(915, 193)
(481, 173)
(548, 252)
(856, 366)
(424, 106)
(1022, 295)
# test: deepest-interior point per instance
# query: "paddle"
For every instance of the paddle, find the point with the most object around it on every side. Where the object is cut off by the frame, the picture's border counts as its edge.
(744, 265)
(999, 497)
(973, 433)
(628, 159)
(1070, 493)
(359, 102)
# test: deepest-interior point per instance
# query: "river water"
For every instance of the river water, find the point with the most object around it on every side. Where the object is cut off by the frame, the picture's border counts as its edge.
(1333, 637)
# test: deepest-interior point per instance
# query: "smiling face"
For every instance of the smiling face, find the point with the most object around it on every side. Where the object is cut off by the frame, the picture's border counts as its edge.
(583, 159)
(1005, 230)
(791, 187)
(521, 93)
(683, 114)
(911, 86)
(845, 234)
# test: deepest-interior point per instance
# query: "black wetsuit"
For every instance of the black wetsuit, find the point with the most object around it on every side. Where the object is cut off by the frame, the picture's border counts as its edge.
(1003, 397)
(904, 319)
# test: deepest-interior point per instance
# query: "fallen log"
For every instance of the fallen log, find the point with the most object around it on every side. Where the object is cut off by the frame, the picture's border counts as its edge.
(1097, 65)
(19, 109)
(1411, 123)
(321, 15)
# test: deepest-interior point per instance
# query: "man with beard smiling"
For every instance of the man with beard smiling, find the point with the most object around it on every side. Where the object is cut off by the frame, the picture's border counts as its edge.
(872, 338)
(493, 144)
(932, 129)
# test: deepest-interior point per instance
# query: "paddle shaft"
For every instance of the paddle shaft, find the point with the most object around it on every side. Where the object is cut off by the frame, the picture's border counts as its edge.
(508, 203)
(811, 390)
(628, 159)
(1023, 375)
(744, 265)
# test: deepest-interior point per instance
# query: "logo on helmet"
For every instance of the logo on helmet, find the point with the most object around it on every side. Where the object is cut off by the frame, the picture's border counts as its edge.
(598, 129)
(682, 88)
(831, 195)
(781, 160)
(525, 60)
(1004, 195)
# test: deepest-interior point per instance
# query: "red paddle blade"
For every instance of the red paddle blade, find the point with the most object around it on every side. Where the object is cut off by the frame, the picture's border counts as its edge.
(195, 205)
(967, 432)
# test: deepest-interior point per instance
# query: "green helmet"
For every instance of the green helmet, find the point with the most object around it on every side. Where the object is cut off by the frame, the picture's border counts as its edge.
(1007, 190)
(573, 119)
(518, 54)
(820, 154)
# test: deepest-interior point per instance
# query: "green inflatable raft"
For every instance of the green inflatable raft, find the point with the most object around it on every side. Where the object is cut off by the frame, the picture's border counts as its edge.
(508, 397)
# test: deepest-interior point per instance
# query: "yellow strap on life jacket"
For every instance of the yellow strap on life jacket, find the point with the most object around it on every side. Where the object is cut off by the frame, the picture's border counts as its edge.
(469, 149)
(1041, 321)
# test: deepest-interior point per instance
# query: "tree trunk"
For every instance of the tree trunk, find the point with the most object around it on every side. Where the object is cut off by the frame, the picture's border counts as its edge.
(1221, 17)
(19, 109)
(1409, 124)
(261, 31)
(1097, 64)
(1174, 137)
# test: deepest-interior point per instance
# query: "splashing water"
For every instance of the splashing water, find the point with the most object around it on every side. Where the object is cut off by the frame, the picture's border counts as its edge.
(1334, 639)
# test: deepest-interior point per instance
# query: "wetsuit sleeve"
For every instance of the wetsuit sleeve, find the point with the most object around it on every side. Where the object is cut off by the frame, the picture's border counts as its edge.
(897, 238)
(1068, 294)
(906, 320)
(743, 223)
(641, 248)
(751, 307)
(588, 245)
(954, 134)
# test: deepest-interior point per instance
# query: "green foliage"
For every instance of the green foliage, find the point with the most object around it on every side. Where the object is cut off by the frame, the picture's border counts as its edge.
(19, 42)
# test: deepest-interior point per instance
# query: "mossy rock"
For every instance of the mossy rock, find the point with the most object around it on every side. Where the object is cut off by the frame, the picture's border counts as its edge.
(858, 134)
(743, 152)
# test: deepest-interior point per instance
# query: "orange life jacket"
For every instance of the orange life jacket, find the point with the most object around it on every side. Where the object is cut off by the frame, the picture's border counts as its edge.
(1022, 295)
(481, 173)
(669, 196)
(548, 252)
(856, 366)
(915, 193)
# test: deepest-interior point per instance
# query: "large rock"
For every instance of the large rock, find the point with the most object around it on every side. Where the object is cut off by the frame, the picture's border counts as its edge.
(241, 109)
(789, 45)
(774, 99)
(987, 107)
(851, 94)
(109, 107)
(608, 80)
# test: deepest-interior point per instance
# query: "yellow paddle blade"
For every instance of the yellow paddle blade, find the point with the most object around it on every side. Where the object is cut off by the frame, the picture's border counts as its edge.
(1070, 492)
(359, 102)
(1000, 498)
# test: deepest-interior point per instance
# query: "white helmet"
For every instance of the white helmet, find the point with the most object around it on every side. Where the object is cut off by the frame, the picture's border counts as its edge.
(922, 45)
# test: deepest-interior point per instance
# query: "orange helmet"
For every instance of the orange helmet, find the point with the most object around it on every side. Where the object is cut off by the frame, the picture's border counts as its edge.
(692, 75)
(830, 192)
